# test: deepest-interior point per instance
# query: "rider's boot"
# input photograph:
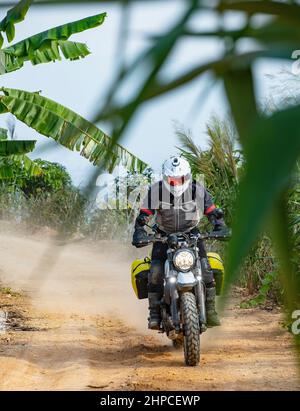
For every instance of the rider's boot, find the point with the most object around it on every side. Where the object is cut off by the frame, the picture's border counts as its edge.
(212, 317)
(154, 318)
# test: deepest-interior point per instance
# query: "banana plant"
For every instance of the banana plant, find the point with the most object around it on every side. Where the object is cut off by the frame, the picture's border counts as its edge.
(49, 118)
(15, 152)
(66, 127)
(13, 16)
(48, 45)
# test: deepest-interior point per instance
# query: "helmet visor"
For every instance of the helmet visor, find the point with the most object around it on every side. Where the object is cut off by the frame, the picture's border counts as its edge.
(177, 181)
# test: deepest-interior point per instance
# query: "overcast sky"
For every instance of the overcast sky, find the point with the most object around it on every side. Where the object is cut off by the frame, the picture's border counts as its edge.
(81, 85)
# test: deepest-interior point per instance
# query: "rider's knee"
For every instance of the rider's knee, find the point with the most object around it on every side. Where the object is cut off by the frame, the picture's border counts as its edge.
(208, 278)
(207, 273)
(156, 272)
(155, 288)
(210, 284)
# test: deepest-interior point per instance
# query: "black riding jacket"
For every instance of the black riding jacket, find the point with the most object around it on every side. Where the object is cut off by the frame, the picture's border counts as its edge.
(174, 214)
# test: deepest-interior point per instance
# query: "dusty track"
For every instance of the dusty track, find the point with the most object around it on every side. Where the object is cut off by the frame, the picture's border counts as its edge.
(79, 327)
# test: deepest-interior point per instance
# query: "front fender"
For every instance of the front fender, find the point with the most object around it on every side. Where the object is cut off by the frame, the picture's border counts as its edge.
(186, 280)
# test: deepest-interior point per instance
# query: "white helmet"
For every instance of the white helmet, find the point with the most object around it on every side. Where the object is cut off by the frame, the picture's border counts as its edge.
(176, 175)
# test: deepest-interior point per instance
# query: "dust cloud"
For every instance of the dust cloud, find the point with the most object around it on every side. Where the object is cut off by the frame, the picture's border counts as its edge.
(73, 277)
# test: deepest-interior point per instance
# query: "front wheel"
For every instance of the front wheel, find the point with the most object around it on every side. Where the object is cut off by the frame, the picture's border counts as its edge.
(190, 319)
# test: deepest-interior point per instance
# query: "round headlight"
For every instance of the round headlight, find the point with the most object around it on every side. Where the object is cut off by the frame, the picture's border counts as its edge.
(184, 260)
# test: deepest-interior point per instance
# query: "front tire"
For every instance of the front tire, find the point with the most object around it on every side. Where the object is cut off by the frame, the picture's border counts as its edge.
(190, 319)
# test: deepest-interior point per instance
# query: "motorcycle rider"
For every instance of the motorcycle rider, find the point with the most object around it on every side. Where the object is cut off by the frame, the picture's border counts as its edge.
(178, 202)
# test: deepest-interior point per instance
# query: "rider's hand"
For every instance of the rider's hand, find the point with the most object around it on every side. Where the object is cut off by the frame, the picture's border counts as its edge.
(222, 231)
(142, 220)
(218, 227)
(140, 238)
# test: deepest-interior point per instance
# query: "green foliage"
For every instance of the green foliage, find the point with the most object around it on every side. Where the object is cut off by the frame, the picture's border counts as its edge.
(67, 128)
(12, 157)
(53, 178)
(45, 200)
(3, 133)
(45, 116)
(13, 16)
(71, 50)
(47, 46)
(62, 210)
(16, 147)
(259, 262)
(43, 40)
(34, 176)
(266, 183)
(12, 167)
(267, 284)
(222, 166)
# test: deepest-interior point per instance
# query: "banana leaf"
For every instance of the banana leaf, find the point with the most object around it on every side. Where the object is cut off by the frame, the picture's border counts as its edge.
(33, 169)
(10, 147)
(3, 133)
(8, 163)
(67, 128)
(48, 46)
(43, 40)
(70, 50)
(6, 171)
(13, 16)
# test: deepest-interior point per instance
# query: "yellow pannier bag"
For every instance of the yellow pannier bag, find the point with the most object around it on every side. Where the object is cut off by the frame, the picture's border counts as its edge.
(139, 277)
(217, 266)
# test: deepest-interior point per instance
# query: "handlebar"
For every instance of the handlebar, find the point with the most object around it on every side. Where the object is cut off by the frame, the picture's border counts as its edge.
(213, 235)
(216, 235)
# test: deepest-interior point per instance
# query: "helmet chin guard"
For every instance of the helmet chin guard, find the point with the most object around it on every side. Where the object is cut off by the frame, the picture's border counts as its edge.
(176, 173)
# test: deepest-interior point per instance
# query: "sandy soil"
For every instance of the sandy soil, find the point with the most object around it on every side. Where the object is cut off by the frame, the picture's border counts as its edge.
(77, 326)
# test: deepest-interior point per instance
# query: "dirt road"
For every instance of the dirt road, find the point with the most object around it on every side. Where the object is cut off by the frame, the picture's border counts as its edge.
(79, 327)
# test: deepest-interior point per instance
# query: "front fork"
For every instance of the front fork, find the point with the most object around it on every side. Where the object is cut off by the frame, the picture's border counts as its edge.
(200, 295)
(200, 298)
(174, 307)
(173, 299)
(173, 294)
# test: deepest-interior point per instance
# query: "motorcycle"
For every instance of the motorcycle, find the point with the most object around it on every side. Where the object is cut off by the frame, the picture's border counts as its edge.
(182, 306)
